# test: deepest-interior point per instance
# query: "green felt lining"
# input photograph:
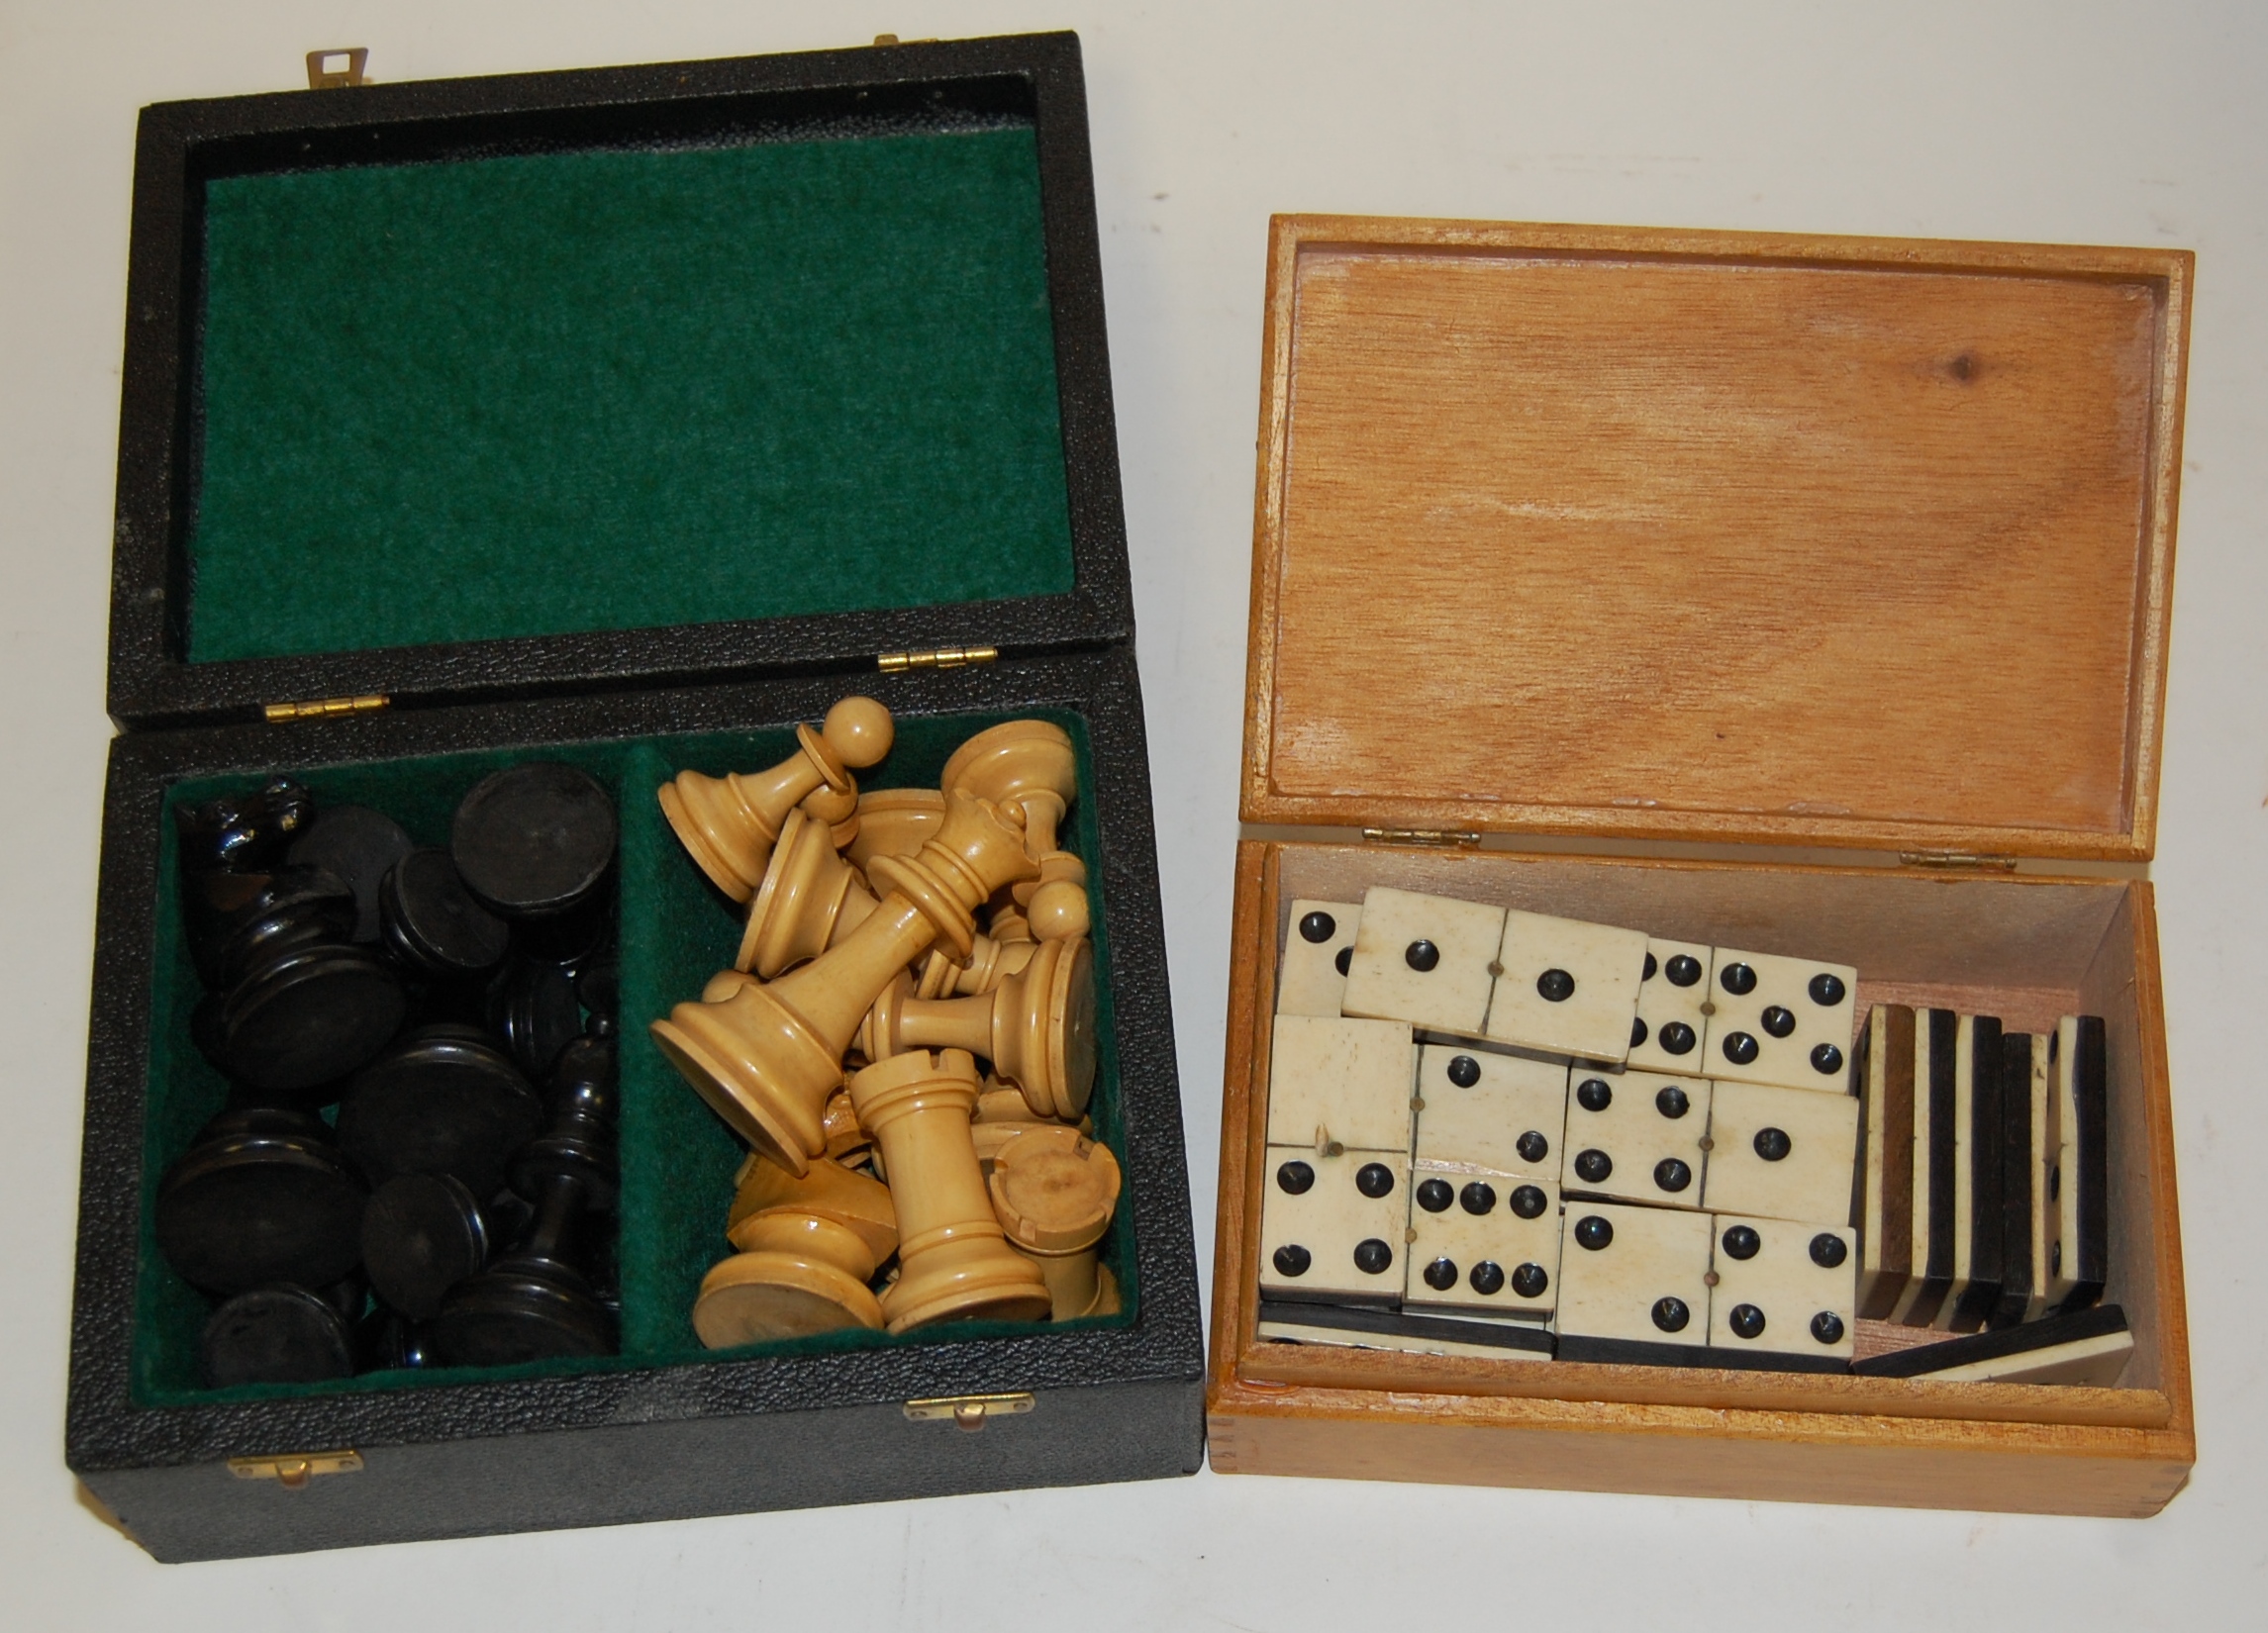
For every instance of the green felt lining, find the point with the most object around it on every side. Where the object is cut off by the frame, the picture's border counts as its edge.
(678, 1159)
(622, 389)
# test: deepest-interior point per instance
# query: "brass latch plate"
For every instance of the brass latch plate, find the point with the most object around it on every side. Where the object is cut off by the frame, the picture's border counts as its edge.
(295, 1470)
(317, 708)
(945, 657)
(968, 1411)
(328, 70)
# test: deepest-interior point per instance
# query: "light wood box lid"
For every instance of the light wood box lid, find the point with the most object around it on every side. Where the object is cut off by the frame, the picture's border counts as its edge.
(1715, 536)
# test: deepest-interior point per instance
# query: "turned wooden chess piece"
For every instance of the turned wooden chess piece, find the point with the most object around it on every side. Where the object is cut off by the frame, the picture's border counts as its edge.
(283, 1334)
(263, 1195)
(991, 963)
(847, 1142)
(1032, 766)
(1037, 1027)
(1054, 1190)
(421, 1234)
(767, 1057)
(893, 821)
(955, 1262)
(1002, 1113)
(729, 825)
(808, 1246)
(445, 1099)
(537, 1302)
(810, 900)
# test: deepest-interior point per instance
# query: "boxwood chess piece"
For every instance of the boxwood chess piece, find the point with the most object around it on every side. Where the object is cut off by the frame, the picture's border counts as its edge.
(810, 900)
(445, 1099)
(767, 1056)
(729, 825)
(954, 1263)
(537, 1303)
(893, 821)
(1037, 1027)
(808, 1246)
(263, 1195)
(1054, 1190)
(1031, 766)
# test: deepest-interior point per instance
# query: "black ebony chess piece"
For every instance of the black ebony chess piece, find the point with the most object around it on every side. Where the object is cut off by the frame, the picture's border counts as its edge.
(421, 1234)
(532, 1008)
(264, 1196)
(433, 922)
(598, 988)
(391, 1342)
(299, 1005)
(283, 1334)
(445, 1099)
(243, 832)
(357, 845)
(537, 1302)
(535, 842)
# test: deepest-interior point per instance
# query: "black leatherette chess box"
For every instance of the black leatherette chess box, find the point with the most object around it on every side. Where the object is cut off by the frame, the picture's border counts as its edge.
(626, 418)
(1798, 593)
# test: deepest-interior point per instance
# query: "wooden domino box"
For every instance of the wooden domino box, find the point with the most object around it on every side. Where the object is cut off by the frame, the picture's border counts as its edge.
(1802, 594)
(629, 418)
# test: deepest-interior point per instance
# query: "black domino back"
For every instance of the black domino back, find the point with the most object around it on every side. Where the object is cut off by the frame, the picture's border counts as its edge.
(1982, 1295)
(1937, 1275)
(2019, 1180)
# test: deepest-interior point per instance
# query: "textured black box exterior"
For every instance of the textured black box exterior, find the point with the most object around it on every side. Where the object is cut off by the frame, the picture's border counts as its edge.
(662, 1442)
(884, 88)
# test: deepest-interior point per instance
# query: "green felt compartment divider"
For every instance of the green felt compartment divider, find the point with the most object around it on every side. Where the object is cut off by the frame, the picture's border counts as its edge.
(677, 1158)
(614, 389)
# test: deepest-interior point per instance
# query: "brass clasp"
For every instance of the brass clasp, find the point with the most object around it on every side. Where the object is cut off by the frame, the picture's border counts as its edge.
(294, 1470)
(968, 1412)
(322, 77)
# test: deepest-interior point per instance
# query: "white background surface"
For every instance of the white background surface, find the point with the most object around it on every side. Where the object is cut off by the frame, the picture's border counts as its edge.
(2137, 125)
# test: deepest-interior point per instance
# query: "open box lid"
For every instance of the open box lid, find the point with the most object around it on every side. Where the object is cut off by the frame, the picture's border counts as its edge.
(1714, 536)
(573, 380)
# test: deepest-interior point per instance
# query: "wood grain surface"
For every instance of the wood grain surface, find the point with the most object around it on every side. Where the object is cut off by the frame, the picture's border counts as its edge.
(1715, 536)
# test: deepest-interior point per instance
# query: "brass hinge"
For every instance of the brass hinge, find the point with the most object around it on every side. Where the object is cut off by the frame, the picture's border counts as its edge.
(968, 1411)
(293, 1472)
(1437, 839)
(945, 657)
(1956, 861)
(318, 708)
(322, 77)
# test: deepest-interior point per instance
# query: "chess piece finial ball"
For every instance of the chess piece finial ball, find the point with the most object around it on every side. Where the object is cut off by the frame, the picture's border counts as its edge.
(860, 730)
(1058, 911)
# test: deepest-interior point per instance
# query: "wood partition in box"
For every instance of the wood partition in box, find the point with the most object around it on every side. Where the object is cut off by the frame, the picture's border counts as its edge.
(2026, 948)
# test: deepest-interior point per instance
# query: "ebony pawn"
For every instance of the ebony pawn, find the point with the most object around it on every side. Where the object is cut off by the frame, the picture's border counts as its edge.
(532, 1008)
(283, 1334)
(445, 1099)
(535, 842)
(537, 1302)
(434, 927)
(264, 1196)
(421, 1234)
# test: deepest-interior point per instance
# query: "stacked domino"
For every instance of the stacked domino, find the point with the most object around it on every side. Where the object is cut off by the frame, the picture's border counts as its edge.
(1500, 1133)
